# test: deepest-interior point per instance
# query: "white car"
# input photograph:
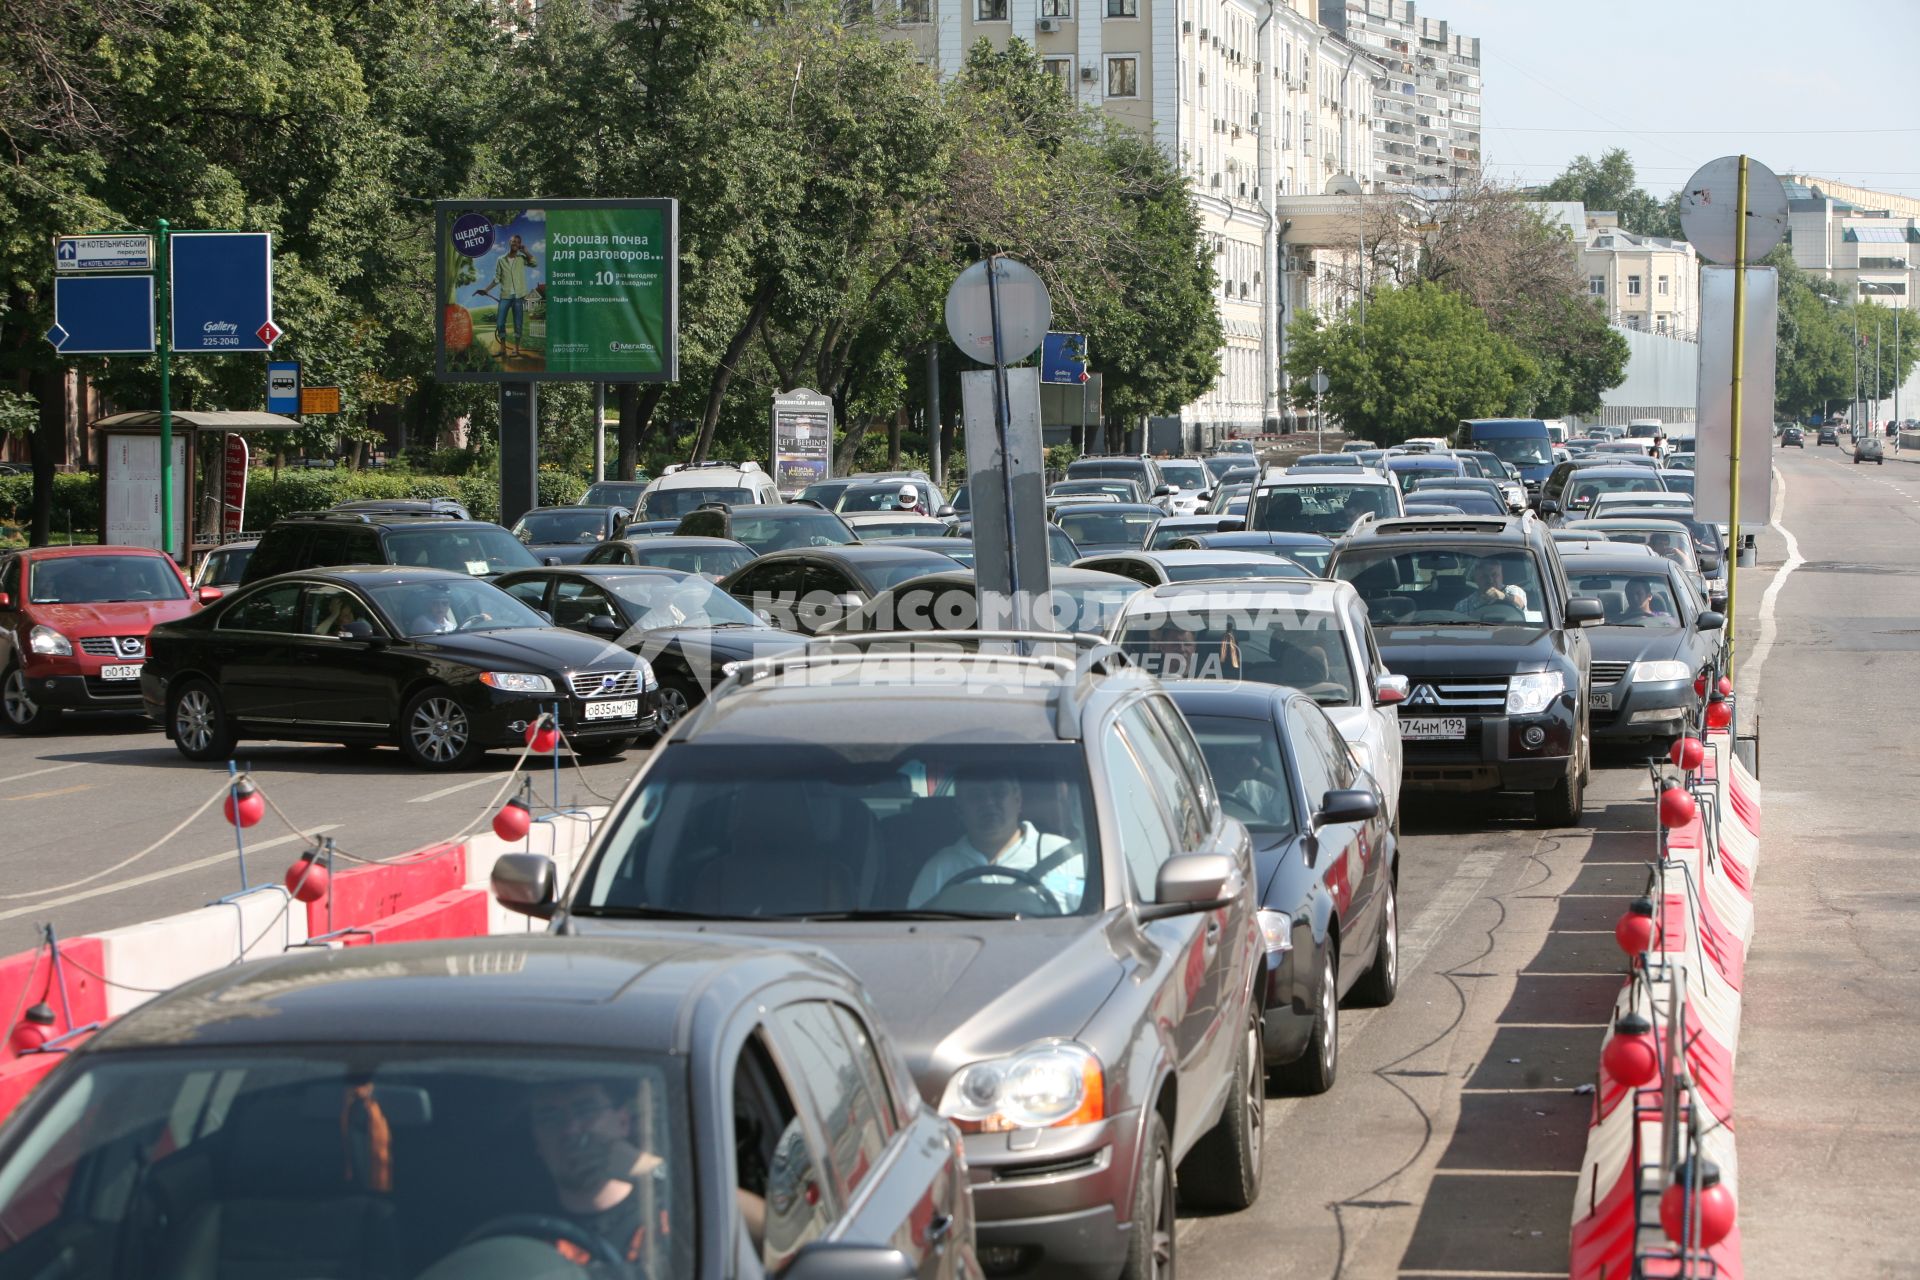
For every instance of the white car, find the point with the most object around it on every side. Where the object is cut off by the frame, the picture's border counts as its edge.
(1309, 633)
(1323, 501)
(1192, 485)
(681, 489)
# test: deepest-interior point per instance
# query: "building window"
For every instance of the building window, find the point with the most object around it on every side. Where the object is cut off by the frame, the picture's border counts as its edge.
(1061, 69)
(1123, 75)
(1597, 285)
(1660, 325)
(916, 11)
(1056, 8)
(1663, 286)
(1123, 8)
(991, 11)
(1633, 286)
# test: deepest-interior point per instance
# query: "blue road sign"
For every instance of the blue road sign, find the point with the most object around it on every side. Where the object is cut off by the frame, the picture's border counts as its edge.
(1063, 358)
(102, 315)
(283, 387)
(222, 289)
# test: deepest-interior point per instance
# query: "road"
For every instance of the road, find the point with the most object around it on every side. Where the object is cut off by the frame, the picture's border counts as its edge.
(1448, 1148)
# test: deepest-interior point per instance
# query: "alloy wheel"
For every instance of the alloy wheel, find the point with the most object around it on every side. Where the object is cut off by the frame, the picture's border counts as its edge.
(1256, 1096)
(672, 705)
(1329, 1022)
(1163, 1224)
(439, 730)
(193, 719)
(20, 706)
(1390, 948)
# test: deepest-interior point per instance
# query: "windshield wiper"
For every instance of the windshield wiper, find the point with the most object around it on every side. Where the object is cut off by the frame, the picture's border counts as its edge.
(646, 913)
(904, 913)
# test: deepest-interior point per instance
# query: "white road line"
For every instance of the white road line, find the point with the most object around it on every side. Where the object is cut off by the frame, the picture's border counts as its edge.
(196, 865)
(1455, 896)
(34, 773)
(1749, 671)
(458, 786)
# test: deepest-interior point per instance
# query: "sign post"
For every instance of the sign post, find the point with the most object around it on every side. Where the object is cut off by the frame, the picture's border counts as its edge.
(166, 387)
(1319, 385)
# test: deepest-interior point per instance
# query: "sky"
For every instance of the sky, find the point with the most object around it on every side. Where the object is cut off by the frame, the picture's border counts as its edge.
(1808, 86)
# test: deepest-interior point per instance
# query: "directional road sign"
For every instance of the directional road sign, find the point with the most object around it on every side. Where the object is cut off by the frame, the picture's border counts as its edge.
(283, 387)
(222, 289)
(104, 253)
(1063, 358)
(102, 315)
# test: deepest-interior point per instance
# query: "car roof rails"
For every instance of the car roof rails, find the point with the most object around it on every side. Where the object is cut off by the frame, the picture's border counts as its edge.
(1442, 524)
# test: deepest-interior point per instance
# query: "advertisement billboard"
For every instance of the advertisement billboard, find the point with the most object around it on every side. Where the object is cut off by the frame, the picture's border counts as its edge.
(557, 291)
(802, 439)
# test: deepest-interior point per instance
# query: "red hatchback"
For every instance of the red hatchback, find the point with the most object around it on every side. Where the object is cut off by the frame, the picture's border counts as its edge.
(73, 628)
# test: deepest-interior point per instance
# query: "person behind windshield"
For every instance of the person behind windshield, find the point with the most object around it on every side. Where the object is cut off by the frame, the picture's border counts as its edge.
(434, 613)
(994, 833)
(1663, 544)
(908, 499)
(1356, 505)
(337, 616)
(1249, 792)
(1641, 602)
(1489, 578)
(1174, 649)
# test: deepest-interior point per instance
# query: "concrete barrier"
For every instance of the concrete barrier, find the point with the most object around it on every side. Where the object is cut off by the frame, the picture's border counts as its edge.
(75, 996)
(362, 894)
(142, 960)
(461, 913)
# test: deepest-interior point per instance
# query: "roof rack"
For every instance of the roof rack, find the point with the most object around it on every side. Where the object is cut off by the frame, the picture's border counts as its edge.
(368, 517)
(1442, 524)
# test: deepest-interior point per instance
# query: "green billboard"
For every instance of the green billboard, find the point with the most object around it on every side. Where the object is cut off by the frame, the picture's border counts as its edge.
(558, 290)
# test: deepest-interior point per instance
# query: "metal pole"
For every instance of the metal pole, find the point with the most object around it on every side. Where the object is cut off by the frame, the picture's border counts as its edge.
(164, 322)
(1739, 370)
(1896, 373)
(1876, 367)
(933, 416)
(599, 432)
(1002, 410)
(1319, 425)
(1853, 409)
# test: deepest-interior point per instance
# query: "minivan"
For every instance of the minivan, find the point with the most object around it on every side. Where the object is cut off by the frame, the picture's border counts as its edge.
(1522, 443)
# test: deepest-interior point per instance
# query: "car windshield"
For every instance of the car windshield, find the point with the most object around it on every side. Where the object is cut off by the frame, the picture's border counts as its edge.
(662, 503)
(1170, 531)
(1108, 528)
(715, 562)
(477, 549)
(876, 497)
(905, 527)
(561, 526)
(1521, 451)
(1117, 470)
(1463, 586)
(103, 579)
(1253, 638)
(439, 606)
(226, 567)
(1219, 466)
(357, 1162)
(1264, 567)
(1124, 490)
(1244, 757)
(1581, 489)
(678, 602)
(1631, 599)
(1327, 509)
(614, 493)
(991, 830)
(1184, 474)
(803, 527)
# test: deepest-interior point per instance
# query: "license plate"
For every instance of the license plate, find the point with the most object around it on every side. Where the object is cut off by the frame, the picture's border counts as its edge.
(127, 671)
(616, 709)
(1602, 701)
(1436, 727)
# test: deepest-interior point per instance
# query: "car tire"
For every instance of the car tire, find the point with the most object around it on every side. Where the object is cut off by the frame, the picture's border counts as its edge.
(1151, 1239)
(677, 699)
(18, 709)
(1560, 805)
(436, 732)
(1314, 1071)
(1222, 1172)
(198, 721)
(603, 749)
(1381, 982)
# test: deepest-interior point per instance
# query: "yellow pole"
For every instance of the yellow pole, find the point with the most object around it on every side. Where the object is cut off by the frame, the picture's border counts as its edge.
(1739, 360)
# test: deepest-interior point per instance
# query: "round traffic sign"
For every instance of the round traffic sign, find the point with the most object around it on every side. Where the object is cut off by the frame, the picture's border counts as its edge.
(1709, 209)
(1319, 382)
(1026, 310)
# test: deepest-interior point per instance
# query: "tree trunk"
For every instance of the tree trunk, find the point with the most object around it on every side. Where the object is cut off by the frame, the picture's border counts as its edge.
(628, 457)
(893, 438)
(723, 376)
(643, 424)
(49, 392)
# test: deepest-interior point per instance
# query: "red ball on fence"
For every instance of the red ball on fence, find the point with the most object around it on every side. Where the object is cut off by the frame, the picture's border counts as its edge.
(308, 879)
(1688, 753)
(1725, 686)
(513, 821)
(1700, 686)
(34, 1030)
(1677, 807)
(1634, 932)
(1713, 1212)
(1719, 714)
(244, 805)
(542, 738)
(1630, 1055)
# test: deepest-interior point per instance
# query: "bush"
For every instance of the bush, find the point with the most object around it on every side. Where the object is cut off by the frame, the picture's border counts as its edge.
(76, 501)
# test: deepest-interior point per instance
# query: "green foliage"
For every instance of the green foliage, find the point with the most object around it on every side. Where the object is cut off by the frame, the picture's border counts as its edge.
(76, 501)
(1816, 359)
(1608, 184)
(1424, 360)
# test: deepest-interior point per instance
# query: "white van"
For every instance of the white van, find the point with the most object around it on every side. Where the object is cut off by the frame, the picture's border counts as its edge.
(682, 488)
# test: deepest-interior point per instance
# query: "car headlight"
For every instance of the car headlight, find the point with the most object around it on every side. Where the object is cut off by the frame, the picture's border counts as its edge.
(1276, 929)
(644, 670)
(1052, 1082)
(1533, 693)
(516, 682)
(1650, 672)
(44, 639)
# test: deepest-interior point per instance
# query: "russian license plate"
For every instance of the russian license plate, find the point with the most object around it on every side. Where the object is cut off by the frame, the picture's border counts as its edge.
(1601, 701)
(615, 709)
(126, 671)
(1434, 727)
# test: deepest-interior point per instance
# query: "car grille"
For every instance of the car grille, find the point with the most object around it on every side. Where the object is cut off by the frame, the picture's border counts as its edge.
(114, 646)
(1475, 694)
(605, 684)
(1608, 673)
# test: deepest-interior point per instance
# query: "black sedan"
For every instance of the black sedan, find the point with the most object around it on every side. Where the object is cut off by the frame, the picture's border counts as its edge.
(439, 664)
(1654, 641)
(1327, 865)
(443, 1110)
(1061, 548)
(1793, 438)
(1097, 528)
(712, 558)
(811, 589)
(1308, 550)
(691, 632)
(564, 535)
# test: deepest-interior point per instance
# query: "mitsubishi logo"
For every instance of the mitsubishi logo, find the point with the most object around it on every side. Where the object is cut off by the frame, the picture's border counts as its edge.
(1423, 696)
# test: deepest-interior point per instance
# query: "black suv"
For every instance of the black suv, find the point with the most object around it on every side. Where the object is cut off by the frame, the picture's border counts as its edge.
(1477, 614)
(320, 539)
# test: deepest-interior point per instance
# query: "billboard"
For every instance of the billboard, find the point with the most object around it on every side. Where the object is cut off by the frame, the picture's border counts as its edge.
(557, 291)
(802, 439)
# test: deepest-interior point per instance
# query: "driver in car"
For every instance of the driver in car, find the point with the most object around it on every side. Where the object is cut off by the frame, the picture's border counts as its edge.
(436, 616)
(1489, 578)
(994, 834)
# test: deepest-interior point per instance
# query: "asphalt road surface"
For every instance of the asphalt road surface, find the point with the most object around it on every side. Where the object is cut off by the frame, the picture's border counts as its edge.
(1449, 1145)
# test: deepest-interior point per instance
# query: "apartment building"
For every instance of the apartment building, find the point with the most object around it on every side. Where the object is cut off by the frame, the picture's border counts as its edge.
(1426, 122)
(1648, 283)
(1866, 241)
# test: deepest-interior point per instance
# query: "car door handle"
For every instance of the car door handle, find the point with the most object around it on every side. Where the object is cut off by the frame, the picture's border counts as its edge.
(939, 1229)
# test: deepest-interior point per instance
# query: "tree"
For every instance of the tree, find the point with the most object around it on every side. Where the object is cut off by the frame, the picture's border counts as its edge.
(1424, 359)
(1608, 184)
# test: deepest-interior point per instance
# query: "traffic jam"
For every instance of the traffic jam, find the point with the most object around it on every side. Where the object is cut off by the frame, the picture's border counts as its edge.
(821, 917)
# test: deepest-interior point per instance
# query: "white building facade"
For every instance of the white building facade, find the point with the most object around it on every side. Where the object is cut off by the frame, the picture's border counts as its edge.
(1867, 242)
(1426, 120)
(1647, 283)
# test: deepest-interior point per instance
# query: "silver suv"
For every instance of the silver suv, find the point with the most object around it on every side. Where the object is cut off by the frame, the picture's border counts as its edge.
(1025, 861)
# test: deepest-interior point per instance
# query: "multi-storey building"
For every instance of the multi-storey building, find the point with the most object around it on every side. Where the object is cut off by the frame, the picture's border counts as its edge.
(1426, 122)
(1645, 282)
(1866, 241)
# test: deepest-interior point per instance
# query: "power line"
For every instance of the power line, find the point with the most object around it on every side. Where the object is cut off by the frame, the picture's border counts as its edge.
(1762, 133)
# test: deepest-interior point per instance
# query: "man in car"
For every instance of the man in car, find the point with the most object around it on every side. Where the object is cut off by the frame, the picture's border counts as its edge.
(908, 499)
(1641, 602)
(434, 615)
(994, 833)
(1665, 544)
(1489, 578)
(1173, 649)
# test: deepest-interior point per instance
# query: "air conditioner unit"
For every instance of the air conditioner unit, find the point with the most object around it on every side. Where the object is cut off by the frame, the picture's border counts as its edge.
(1090, 74)
(1049, 24)
(1203, 35)
(1186, 27)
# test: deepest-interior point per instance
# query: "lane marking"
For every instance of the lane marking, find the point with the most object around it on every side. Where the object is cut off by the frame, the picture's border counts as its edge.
(46, 795)
(1455, 896)
(1749, 674)
(458, 786)
(196, 865)
(34, 773)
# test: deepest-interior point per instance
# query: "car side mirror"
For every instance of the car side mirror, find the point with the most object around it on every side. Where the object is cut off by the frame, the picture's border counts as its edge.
(1709, 620)
(524, 882)
(1389, 689)
(945, 513)
(1584, 611)
(205, 595)
(1346, 806)
(550, 561)
(1549, 507)
(845, 1260)
(358, 629)
(602, 625)
(1189, 883)
(1162, 491)
(545, 616)
(1709, 561)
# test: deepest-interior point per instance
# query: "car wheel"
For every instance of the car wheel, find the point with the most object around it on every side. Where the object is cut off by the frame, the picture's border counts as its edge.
(1222, 1172)
(676, 699)
(1314, 1071)
(1560, 805)
(1150, 1238)
(21, 712)
(202, 729)
(603, 749)
(436, 732)
(1381, 982)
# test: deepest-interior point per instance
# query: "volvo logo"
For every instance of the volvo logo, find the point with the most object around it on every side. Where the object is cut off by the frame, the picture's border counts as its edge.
(1423, 696)
(609, 683)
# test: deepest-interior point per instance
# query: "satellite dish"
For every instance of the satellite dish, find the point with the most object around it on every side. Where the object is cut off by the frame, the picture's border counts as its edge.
(1709, 208)
(1343, 184)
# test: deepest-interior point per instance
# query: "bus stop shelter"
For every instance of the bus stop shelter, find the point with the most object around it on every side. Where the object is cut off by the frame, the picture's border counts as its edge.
(210, 466)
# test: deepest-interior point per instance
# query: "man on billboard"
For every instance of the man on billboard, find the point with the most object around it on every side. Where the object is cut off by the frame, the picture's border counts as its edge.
(512, 285)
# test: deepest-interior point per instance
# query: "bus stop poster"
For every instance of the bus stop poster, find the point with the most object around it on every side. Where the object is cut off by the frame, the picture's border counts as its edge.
(802, 439)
